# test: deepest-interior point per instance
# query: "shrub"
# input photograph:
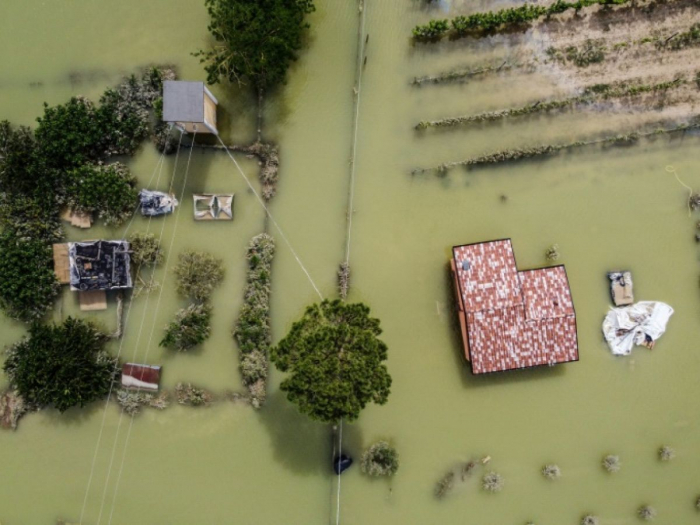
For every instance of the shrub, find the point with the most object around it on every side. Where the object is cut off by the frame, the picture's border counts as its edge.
(198, 273)
(666, 453)
(697, 503)
(380, 459)
(612, 463)
(589, 519)
(552, 253)
(28, 285)
(188, 394)
(253, 367)
(61, 365)
(551, 472)
(145, 249)
(191, 327)
(107, 190)
(252, 329)
(646, 513)
(492, 482)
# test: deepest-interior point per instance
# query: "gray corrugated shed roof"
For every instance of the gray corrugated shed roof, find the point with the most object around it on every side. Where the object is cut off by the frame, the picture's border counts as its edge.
(183, 101)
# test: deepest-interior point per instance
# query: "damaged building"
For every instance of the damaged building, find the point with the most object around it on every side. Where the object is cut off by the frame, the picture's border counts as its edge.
(99, 265)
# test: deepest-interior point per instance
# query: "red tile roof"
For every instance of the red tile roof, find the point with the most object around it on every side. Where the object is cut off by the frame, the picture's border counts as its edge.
(513, 319)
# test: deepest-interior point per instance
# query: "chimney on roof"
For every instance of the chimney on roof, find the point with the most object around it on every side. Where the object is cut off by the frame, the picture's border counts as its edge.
(466, 265)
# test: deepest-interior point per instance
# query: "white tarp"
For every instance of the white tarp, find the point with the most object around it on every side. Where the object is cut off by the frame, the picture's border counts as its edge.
(639, 324)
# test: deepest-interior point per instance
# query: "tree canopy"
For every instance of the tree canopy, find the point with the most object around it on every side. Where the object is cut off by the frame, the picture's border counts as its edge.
(61, 365)
(256, 40)
(335, 359)
(28, 285)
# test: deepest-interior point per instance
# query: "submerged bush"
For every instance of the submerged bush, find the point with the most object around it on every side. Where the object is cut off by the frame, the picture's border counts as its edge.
(697, 503)
(445, 485)
(191, 327)
(28, 285)
(197, 274)
(145, 249)
(109, 191)
(552, 253)
(551, 472)
(612, 463)
(590, 519)
(188, 394)
(492, 482)
(380, 459)
(132, 401)
(666, 453)
(646, 513)
(61, 365)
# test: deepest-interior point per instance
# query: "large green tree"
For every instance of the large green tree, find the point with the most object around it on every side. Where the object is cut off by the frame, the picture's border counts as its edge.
(256, 40)
(336, 362)
(28, 285)
(61, 365)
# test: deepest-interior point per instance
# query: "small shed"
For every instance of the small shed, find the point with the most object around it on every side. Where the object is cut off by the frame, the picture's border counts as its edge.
(143, 377)
(190, 106)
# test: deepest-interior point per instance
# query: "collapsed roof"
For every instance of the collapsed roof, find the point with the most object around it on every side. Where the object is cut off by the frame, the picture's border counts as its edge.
(99, 265)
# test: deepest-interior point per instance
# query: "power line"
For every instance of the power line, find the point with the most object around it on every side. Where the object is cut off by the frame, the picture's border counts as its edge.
(121, 343)
(155, 315)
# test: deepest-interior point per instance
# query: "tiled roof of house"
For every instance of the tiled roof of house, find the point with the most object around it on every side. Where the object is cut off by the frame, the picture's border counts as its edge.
(513, 319)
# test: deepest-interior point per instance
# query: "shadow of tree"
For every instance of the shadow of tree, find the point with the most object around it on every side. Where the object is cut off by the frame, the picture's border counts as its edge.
(302, 445)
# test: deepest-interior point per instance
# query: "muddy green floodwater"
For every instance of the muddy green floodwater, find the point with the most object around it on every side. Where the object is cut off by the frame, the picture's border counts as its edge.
(606, 209)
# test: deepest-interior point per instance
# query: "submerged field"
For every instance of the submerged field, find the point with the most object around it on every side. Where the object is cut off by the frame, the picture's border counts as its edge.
(606, 208)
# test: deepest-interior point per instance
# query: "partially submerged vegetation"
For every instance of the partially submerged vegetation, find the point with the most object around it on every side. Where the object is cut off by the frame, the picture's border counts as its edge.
(512, 155)
(61, 366)
(197, 275)
(612, 463)
(490, 21)
(666, 453)
(551, 472)
(190, 328)
(589, 95)
(492, 482)
(646, 513)
(380, 459)
(132, 401)
(252, 331)
(188, 394)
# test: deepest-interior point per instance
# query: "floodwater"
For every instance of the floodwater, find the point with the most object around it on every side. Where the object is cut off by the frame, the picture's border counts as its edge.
(606, 209)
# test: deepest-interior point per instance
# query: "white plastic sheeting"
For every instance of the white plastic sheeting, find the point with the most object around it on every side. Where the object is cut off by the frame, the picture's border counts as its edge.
(639, 324)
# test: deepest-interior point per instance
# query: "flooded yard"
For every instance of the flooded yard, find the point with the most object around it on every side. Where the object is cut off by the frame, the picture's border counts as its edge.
(607, 208)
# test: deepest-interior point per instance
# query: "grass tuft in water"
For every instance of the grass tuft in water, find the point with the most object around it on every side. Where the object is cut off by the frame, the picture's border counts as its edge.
(590, 519)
